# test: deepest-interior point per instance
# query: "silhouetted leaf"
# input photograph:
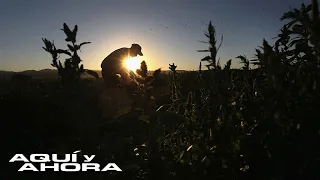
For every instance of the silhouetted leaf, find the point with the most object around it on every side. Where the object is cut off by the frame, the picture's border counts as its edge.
(45, 49)
(66, 28)
(71, 47)
(84, 44)
(220, 43)
(207, 58)
(172, 67)
(75, 30)
(203, 50)
(67, 31)
(61, 51)
(206, 42)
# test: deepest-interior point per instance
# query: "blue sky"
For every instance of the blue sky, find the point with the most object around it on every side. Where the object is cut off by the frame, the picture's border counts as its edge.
(158, 26)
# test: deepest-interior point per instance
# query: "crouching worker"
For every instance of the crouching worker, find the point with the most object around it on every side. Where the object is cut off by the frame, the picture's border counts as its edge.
(113, 69)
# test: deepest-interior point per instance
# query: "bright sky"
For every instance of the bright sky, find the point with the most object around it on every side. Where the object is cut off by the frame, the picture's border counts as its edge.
(158, 26)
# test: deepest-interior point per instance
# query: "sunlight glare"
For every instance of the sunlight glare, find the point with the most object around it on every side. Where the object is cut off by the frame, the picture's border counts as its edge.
(132, 63)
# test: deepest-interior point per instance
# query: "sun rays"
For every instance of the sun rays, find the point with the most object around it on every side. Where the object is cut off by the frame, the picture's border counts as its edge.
(132, 63)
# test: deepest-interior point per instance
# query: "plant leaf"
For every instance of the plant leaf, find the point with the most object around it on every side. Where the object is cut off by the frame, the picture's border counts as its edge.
(203, 51)
(71, 47)
(75, 30)
(62, 51)
(207, 58)
(84, 44)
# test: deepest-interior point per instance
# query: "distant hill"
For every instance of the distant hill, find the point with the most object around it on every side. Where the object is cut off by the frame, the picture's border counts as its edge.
(41, 74)
(48, 73)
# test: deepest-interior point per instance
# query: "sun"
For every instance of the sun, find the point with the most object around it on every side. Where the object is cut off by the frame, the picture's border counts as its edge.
(132, 63)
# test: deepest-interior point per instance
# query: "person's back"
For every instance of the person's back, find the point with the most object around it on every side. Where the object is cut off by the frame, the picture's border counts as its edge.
(114, 60)
(113, 63)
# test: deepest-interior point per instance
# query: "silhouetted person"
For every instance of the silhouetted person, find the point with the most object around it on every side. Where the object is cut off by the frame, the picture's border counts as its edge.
(114, 64)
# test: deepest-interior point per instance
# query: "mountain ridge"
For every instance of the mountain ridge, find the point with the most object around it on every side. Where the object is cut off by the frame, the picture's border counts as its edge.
(46, 73)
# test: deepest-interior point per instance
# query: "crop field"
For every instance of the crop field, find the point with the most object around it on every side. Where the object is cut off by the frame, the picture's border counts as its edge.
(214, 123)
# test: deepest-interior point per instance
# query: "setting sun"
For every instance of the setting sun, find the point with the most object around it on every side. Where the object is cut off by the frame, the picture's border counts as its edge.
(132, 63)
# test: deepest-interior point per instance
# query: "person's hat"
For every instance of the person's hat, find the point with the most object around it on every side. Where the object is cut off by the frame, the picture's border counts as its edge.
(137, 48)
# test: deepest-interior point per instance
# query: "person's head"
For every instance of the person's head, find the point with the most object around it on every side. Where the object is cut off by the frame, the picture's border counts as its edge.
(135, 50)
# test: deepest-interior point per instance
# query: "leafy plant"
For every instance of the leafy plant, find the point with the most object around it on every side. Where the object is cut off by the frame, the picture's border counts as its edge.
(213, 48)
(244, 61)
(72, 69)
(145, 90)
